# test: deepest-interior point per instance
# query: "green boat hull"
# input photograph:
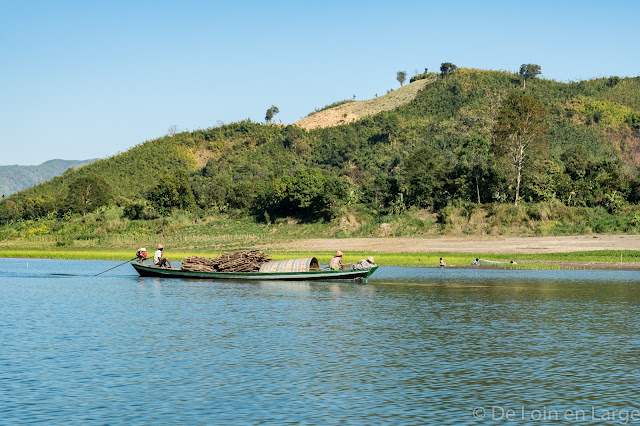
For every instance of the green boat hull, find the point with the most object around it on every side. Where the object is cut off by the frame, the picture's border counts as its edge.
(319, 275)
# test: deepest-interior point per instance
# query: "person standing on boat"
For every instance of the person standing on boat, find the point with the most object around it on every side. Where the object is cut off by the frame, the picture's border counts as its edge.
(158, 260)
(367, 263)
(336, 262)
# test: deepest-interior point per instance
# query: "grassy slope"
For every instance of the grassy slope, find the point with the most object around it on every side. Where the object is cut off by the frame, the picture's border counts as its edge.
(440, 116)
(349, 112)
(131, 172)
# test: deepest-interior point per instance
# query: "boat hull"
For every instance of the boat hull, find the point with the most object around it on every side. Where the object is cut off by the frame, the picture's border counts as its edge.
(321, 275)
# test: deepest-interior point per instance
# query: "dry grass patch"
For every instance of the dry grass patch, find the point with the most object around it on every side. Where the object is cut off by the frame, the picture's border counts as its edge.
(352, 111)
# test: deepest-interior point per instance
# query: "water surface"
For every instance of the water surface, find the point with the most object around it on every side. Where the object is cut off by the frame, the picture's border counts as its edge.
(414, 346)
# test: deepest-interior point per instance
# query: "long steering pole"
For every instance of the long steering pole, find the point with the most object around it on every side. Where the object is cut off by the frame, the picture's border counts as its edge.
(116, 266)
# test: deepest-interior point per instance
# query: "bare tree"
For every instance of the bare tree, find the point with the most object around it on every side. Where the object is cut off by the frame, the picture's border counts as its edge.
(520, 131)
(172, 130)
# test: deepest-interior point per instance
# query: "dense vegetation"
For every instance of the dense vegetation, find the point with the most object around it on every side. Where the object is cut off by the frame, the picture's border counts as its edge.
(438, 164)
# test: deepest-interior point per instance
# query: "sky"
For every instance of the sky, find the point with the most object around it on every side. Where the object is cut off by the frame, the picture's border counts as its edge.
(89, 79)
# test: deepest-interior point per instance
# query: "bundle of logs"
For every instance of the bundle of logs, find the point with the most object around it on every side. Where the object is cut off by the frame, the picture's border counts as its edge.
(240, 261)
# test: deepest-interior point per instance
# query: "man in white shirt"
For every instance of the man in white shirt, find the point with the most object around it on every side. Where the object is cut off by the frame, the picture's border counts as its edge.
(158, 260)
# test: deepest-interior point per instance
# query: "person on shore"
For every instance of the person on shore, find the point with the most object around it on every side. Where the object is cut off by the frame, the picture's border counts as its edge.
(367, 263)
(336, 262)
(442, 263)
(160, 261)
(475, 262)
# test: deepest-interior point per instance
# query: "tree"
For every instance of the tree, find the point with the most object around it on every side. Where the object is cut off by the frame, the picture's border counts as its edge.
(87, 193)
(447, 68)
(308, 194)
(520, 131)
(401, 76)
(271, 112)
(529, 71)
(423, 178)
(172, 130)
(475, 156)
(172, 192)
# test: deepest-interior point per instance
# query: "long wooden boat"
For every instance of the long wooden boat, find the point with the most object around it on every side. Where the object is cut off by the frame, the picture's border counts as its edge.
(146, 270)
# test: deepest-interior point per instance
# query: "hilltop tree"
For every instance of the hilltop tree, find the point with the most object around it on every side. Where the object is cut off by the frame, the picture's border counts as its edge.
(401, 77)
(271, 112)
(529, 71)
(172, 130)
(447, 68)
(520, 131)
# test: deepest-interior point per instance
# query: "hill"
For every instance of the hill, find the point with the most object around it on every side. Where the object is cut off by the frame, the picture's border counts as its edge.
(16, 178)
(425, 159)
(350, 111)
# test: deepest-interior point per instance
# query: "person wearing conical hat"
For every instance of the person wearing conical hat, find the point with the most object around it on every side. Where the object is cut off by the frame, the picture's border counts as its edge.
(158, 260)
(336, 262)
(367, 263)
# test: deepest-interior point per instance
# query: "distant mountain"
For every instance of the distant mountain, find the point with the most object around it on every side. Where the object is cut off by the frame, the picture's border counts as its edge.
(16, 178)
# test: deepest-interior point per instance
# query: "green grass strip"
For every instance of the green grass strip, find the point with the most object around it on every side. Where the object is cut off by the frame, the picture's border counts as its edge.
(529, 261)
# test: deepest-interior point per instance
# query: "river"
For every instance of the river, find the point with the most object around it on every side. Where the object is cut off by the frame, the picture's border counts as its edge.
(413, 346)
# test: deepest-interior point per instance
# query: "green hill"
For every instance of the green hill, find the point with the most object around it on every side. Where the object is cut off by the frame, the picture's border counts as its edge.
(16, 178)
(438, 152)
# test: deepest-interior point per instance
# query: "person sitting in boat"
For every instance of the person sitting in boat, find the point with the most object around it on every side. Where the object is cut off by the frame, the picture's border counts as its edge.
(367, 263)
(336, 262)
(160, 261)
(141, 254)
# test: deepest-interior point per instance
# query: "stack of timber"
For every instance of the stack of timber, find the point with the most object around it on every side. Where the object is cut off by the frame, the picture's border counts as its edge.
(240, 261)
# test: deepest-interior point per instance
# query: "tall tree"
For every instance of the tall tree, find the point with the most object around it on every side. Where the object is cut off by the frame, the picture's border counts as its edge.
(401, 77)
(87, 193)
(528, 71)
(270, 113)
(447, 68)
(520, 131)
(475, 156)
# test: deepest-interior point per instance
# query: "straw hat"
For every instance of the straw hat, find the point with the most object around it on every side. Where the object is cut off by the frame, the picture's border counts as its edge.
(160, 246)
(339, 253)
(370, 259)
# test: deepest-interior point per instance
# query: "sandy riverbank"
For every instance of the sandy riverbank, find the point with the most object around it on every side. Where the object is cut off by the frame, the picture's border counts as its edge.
(471, 245)
(508, 246)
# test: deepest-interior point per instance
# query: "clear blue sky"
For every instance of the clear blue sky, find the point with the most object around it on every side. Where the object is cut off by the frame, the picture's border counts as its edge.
(87, 79)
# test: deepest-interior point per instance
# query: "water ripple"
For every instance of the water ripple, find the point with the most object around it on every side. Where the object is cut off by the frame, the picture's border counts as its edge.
(414, 346)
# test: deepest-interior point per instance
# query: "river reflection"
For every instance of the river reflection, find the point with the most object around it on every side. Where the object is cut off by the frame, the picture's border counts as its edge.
(413, 346)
